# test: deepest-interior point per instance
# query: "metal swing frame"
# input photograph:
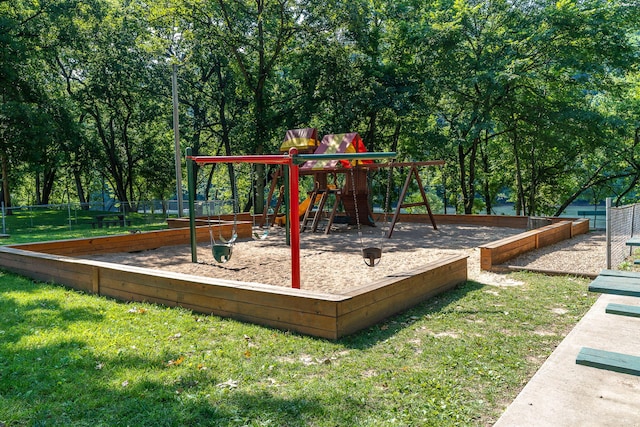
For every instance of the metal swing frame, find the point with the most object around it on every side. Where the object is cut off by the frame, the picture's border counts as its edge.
(292, 160)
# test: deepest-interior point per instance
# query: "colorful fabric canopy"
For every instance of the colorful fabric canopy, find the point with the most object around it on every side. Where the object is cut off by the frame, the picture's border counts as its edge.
(303, 139)
(336, 144)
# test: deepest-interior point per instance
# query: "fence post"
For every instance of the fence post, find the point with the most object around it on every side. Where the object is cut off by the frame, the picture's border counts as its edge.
(69, 213)
(4, 224)
(608, 231)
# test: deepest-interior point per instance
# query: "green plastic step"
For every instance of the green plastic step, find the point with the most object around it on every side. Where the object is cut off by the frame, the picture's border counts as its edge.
(620, 273)
(634, 241)
(616, 286)
(623, 310)
(609, 361)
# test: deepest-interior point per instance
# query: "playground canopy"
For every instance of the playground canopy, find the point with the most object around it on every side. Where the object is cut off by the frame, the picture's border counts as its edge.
(305, 140)
(343, 143)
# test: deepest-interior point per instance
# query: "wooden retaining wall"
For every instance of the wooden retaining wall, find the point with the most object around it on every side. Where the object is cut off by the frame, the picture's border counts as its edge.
(323, 315)
(502, 250)
(203, 220)
(318, 314)
(133, 242)
(506, 221)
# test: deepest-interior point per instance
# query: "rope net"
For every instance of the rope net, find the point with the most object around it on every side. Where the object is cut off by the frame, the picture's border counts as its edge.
(622, 223)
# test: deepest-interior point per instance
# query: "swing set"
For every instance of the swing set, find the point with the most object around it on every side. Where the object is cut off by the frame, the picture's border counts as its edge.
(291, 162)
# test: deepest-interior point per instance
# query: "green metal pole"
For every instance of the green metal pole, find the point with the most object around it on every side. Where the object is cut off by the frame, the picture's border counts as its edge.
(301, 158)
(192, 211)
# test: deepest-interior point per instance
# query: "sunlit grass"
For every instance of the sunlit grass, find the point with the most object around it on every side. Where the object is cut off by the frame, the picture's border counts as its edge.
(27, 226)
(67, 358)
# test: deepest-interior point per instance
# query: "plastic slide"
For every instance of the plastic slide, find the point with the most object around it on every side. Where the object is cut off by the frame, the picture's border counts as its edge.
(280, 220)
(304, 206)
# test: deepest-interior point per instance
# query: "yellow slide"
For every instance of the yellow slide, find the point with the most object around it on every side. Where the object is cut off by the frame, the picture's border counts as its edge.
(304, 206)
(280, 220)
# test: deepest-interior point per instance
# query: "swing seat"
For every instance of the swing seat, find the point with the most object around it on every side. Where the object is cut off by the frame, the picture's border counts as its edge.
(222, 252)
(371, 255)
(234, 237)
(259, 234)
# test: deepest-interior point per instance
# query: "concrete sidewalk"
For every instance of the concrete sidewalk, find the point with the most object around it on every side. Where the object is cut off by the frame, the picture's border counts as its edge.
(563, 393)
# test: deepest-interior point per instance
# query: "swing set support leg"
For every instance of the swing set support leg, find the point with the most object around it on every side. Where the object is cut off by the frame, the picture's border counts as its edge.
(192, 211)
(294, 223)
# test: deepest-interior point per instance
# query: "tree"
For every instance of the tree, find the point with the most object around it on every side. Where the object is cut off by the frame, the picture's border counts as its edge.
(111, 74)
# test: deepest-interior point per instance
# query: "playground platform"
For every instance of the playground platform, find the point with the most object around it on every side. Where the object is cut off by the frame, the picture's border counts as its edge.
(565, 393)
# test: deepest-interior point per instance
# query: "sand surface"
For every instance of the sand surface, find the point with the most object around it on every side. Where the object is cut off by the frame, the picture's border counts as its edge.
(333, 263)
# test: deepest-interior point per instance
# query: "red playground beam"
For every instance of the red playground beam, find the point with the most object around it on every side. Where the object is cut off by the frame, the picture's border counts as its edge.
(294, 226)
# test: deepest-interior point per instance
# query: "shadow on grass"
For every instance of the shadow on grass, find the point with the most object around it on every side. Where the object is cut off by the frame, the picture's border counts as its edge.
(47, 379)
(60, 385)
(389, 327)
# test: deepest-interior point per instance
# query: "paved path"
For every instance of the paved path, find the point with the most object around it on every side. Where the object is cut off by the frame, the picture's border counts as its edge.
(563, 393)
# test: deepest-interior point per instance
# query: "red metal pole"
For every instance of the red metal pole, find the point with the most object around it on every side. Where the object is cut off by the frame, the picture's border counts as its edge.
(294, 220)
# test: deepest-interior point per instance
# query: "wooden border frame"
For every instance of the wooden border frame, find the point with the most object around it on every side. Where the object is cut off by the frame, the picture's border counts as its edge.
(502, 250)
(312, 313)
(323, 315)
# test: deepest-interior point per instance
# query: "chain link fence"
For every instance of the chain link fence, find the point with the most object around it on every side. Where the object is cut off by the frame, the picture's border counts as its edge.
(76, 215)
(622, 223)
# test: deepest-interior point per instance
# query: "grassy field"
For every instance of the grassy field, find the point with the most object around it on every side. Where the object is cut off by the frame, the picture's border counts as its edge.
(39, 225)
(67, 358)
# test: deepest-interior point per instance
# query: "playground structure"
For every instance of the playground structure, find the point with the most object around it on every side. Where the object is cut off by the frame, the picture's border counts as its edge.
(336, 154)
(353, 195)
(305, 311)
(292, 160)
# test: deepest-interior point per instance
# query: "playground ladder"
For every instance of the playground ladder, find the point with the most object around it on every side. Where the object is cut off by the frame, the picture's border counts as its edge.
(315, 211)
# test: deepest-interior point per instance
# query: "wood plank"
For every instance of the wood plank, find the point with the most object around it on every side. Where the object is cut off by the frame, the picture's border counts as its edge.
(580, 226)
(288, 319)
(554, 233)
(623, 309)
(410, 286)
(216, 305)
(615, 287)
(609, 360)
(494, 254)
(275, 296)
(128, 242)
(515, 239)
(47, 268)
(367, 316)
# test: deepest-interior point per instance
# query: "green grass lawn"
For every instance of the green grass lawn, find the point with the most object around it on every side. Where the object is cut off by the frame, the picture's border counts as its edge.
(68, 358)
(26, 226)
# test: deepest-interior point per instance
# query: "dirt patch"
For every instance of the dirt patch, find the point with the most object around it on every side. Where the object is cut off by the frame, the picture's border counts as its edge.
(582, 254)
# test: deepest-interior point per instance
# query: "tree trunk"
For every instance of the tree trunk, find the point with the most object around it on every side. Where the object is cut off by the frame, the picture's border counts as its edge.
(463, 168)
(370, 137)
(484, 156)
(467, 179)
(82, 198)
(6, 195)
(519, 185)
(38, 185)
(47, 186)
